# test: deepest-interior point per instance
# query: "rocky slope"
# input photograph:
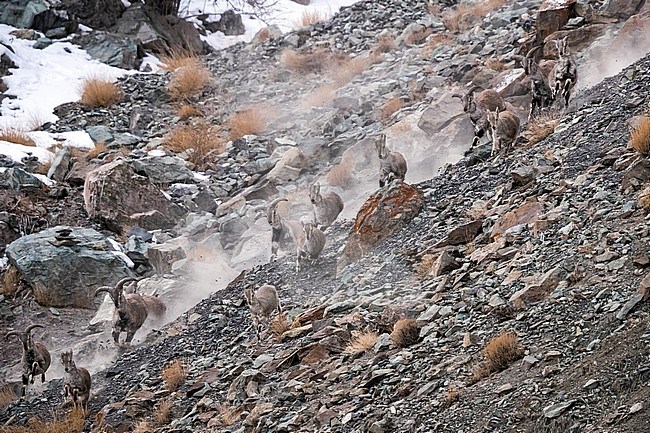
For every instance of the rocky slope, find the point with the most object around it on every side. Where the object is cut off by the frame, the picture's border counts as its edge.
(548, 242)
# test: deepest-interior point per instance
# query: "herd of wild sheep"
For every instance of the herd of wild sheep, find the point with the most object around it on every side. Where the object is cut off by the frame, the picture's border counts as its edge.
(551, 81)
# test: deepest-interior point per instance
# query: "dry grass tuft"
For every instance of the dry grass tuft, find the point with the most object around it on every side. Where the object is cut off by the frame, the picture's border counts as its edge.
(389, 108)
(228, 415)
(495, 65)
(306, 63)
(7, 395)
(186, 111)
(341, 175)
(200, 141)
(262, 35)
(143, 427)
(17, 136)
(439, 39)
(249, 121)
(405, 333)
(434, 9)
(640, 136)
(96, 151)
(644, 198)
(73, 422)
(465, 16)
(541, 126)
(163, 412)
(279, 325)
(35, 120)
(384, 44)
(424, 266)
(344, 71)
(499, 353)
(362, 342)
(10, 282)
(188, 81)
(311, 17)
(100, 92)
(174, 374)
(177, 60)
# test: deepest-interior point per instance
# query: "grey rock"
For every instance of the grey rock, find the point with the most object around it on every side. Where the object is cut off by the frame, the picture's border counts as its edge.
(163, 169)
(628, 306)
(60, 165)
(116, 50)
(17, 178)
(42, 43)
(555, 410)
(100, 134)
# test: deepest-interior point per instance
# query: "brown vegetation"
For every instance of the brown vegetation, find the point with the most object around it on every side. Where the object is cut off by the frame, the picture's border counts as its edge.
(17, 136)
(143, 427)
(405, 333)
(389, 108)
(249, 121)
(340, 175)
(188, 81)
(362, 342)
(177, 60)
(10, 282)
(186, 111)
(200, 141)
(320, 96)
(342, 72)
(424, 266)
(163, 412)
(228, 415)
(311, 17)
(100, 92)
(499, 353)
(640, 136)
(417, 37)
(465, 16)
(452, 396)
(495, 65)
(174, 374)
(306, 62)
(7, 395)
(541, 126)
(73, 422)
(35, 120)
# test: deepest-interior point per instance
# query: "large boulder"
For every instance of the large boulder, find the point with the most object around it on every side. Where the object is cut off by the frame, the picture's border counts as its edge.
(97, 14)
(17, 178)
(157, 33)
(384, 213)
(292, 162)
(118, 197)
(36, 14)
(121, 51)
(64, 265)
(230, 24)
(163, 169)
(622, 9)
(552, 16)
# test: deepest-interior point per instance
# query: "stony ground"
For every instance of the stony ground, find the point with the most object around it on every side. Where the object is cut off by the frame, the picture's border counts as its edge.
(558, 254)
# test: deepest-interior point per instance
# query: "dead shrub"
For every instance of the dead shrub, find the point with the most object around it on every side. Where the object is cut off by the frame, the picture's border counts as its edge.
(417, 37)
(306, 62)
(178, 59)
(143, 426)
(200, 141)
(439, 39)
(72, 422)
(640, 136)
(7, 395)
(174, 375)
(228, 415)
(163, 412)
(340, 175)
(188, 81)
(644, 198)
(248, 121)
(433, 9)
(362, 342)
(311, 17)
(465, 16)
(16, 136)
(495, 65)
(96, 151)
(342, 72)
(405, 333)
(35, 120)
(186, 111)
(541, 126)
(10, 281)
(43, 167)
(279, 325)
(452, 396)
(262, 36)
(384, 44)
(389, 108)
(424, 266)
(499, 353)
(100, 92)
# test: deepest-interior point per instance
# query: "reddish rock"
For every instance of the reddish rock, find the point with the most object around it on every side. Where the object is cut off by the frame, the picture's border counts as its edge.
(553, 16)
(119, 198)
(525, 214)
(383, 214)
